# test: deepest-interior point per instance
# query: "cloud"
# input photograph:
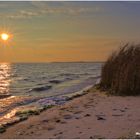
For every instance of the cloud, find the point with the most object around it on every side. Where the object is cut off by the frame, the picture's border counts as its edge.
(22, 14)
(28, 13)
(37, 9)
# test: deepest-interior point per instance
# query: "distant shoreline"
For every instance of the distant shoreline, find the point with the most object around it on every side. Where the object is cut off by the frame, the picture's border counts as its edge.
(54, 62)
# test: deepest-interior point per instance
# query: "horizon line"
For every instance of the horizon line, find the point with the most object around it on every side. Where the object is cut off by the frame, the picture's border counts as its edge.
(60, 62)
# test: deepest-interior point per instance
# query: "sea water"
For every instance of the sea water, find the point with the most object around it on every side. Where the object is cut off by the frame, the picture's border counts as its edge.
(22, 84)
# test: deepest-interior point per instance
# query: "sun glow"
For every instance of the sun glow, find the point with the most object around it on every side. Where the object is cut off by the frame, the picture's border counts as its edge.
(4, 36)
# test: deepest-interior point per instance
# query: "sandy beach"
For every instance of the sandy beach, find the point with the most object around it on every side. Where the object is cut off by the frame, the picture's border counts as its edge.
(69, 69)
(93, 115)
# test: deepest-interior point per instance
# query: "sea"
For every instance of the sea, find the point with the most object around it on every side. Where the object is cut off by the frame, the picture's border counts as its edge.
(28, 84)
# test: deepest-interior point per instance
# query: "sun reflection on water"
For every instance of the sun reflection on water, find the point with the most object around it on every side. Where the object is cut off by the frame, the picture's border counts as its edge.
(5, 71)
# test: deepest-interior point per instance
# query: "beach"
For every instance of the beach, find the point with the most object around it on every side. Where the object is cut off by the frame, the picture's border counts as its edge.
(93, 115)
(35, 85)
(69, 70)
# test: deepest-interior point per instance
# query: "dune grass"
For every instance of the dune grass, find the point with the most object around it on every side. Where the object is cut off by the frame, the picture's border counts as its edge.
(121, 72)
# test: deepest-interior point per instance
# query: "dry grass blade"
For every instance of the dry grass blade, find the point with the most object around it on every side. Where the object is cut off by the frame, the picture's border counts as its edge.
(121, 72)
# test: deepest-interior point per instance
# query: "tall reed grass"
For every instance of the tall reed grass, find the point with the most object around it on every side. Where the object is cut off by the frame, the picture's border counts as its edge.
(121, 72)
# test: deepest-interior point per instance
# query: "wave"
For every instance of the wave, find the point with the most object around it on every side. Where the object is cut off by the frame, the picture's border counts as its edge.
(69, 75)
(4, 96)
(39, 89)
(55, 81)
(53, 100)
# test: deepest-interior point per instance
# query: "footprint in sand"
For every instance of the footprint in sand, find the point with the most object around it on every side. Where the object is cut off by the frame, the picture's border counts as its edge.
(78, 112)
(88, 106)
(63, 122)
(58, 121)
(50, 128)
(77, 118)
(87, 115)
(45, 120)
(31, 132)
(58, 133)
(100, 117)
(30, 126)
(67, 117)
(122, 110)
(114, 109)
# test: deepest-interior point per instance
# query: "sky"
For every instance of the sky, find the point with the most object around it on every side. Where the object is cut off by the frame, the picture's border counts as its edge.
(66, 31)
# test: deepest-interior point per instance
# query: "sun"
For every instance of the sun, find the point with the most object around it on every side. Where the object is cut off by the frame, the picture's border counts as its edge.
(4, 36)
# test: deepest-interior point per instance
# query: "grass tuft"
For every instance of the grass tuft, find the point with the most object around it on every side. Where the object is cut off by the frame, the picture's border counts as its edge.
(121, 72)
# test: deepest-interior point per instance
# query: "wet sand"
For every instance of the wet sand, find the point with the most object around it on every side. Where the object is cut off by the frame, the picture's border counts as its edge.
(93, 115)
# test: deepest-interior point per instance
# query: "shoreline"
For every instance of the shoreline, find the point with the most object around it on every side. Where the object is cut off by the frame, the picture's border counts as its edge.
(92, 115)
(22, 113)
(34, 105)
